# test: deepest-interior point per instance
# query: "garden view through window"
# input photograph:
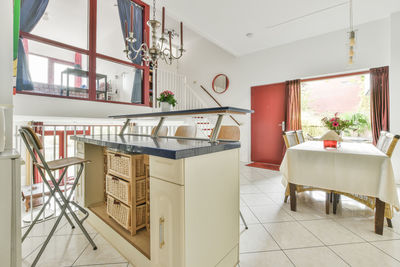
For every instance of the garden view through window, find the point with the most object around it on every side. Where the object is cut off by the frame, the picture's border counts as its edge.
(348, 96)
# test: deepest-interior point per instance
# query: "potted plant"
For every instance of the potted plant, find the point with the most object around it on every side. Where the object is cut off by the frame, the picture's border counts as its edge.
(337, 124)
(167, 100)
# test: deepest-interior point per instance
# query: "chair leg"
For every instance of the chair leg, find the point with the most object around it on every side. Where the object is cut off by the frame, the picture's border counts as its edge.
(286, 198)
(244, 222)
(327, 201)
(293, 202)
(389, 222)
(335, 202)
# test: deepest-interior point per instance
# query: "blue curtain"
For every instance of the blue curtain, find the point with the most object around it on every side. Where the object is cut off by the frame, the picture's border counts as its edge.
(31, 12)
(124, 8)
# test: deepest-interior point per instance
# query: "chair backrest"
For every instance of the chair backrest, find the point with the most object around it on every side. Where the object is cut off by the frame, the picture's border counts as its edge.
(186, 131)
(30, 136)
(390, 144)
(231, 133)
(381, 140)
(162, 132)
(290, 139)
(300, 136)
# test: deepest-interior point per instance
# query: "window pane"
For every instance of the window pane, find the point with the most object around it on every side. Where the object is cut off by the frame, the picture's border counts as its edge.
(66, 22)
(110, 40)
(348, 96)
(119, 79)
(56, 71)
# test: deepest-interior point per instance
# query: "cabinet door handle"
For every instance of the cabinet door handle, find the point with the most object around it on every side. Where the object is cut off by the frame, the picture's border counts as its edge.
(161, 232)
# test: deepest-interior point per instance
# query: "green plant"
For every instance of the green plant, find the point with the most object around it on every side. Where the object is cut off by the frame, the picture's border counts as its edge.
(167, 96)
(337, 124)
(360, 123)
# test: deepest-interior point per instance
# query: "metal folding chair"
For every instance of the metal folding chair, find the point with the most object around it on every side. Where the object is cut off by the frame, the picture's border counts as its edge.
(34, 145)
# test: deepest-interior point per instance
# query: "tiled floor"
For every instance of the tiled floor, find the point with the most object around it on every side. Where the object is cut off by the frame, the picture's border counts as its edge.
(276, 235)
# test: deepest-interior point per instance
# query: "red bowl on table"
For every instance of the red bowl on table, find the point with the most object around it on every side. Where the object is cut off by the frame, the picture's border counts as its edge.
(330, 144)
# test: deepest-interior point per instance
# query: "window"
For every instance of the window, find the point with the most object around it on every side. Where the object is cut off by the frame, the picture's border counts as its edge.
(349, 96)
(76, 51)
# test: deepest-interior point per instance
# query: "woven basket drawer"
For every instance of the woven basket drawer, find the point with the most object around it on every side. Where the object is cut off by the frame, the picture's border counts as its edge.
(141, 215)
(119, 212)
(141, 190)
(120, 165)
(119, 189)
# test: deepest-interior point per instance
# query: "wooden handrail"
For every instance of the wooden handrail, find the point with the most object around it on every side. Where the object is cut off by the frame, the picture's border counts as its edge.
(216, 101)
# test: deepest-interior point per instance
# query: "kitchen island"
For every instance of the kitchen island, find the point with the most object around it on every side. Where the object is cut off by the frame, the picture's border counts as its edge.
(193, 197)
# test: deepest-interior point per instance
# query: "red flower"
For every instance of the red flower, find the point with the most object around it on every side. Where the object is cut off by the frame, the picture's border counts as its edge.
(335, 124)
(333, 119)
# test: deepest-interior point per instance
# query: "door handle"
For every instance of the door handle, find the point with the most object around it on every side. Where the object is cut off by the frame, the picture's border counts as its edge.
(283, 125)
(161, 232)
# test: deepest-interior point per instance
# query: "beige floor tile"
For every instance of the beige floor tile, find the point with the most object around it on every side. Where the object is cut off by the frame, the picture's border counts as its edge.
(256, 239)
(264, 259)
(304, 212)
(315, 257)
(44, 228)
(61, 251)
(107, 265)
(30, 244)
(391, 247)
(248, 216)
(365, 229)
(331, 232)
(271, 213)
(291, 235)
(249, 189)
(105, 254)
(278, 198)
(256, 200)
(271, 188)
(364, 255)
(67, 230)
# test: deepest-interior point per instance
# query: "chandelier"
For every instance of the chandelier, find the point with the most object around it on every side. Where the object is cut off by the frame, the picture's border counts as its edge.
(161, 47)
(352, 36)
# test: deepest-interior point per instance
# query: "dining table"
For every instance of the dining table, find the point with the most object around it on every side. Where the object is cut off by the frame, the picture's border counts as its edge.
(354, 168)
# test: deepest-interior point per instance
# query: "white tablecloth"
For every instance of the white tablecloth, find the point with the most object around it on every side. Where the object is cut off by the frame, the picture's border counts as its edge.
(353, 168)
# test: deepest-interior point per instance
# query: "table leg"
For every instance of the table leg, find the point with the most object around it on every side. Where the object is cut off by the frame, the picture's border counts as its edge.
(335, 202)
(327, 201)
(379, 216)
(292, 188)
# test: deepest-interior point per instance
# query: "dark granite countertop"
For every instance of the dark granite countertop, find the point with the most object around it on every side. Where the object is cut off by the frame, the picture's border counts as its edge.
(162, 147)
(201, 111)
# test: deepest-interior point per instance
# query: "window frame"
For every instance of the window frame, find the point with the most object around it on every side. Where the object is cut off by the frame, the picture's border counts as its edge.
(92, 54)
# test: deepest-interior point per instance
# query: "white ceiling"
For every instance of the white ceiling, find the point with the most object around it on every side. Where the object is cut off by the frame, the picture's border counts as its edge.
(272, 22)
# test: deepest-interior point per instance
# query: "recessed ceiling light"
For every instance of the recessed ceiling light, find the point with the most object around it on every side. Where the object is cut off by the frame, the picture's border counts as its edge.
(249, 34)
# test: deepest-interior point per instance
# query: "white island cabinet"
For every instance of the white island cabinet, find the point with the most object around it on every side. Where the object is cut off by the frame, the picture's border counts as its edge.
(194, 210)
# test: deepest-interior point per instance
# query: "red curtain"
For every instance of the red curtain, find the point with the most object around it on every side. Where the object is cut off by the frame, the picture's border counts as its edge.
(379, 101)
(293, 105)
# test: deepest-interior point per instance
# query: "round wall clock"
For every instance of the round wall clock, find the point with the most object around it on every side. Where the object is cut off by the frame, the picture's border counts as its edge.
(220, 83)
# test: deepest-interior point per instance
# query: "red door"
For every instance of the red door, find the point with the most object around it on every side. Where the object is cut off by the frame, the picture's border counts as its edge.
(268, 103)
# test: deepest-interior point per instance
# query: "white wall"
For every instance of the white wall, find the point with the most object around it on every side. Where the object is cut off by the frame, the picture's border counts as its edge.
(395, 87)
(6, 57)
(325, 54)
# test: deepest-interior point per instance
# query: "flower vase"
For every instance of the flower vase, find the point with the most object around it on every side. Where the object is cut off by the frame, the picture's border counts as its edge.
(2, 130)
(165, 106)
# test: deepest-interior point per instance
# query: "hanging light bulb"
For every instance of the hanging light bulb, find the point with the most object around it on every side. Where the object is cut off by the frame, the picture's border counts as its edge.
(351, 51)
(352, 38)
(352, 35)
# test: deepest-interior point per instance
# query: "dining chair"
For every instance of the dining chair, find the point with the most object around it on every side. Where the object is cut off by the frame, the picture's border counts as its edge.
(291, 139)
(231, 133)
(300, 136)
(162, 132)
(388, 146)
(47, 169)
(381, 140)
(186, 131)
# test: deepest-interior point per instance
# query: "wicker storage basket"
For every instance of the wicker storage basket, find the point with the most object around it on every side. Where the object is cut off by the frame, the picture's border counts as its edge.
(140, 216)
(126, 166)
(119, 212)
(141, 191)
(119, 189)
(120, 165)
